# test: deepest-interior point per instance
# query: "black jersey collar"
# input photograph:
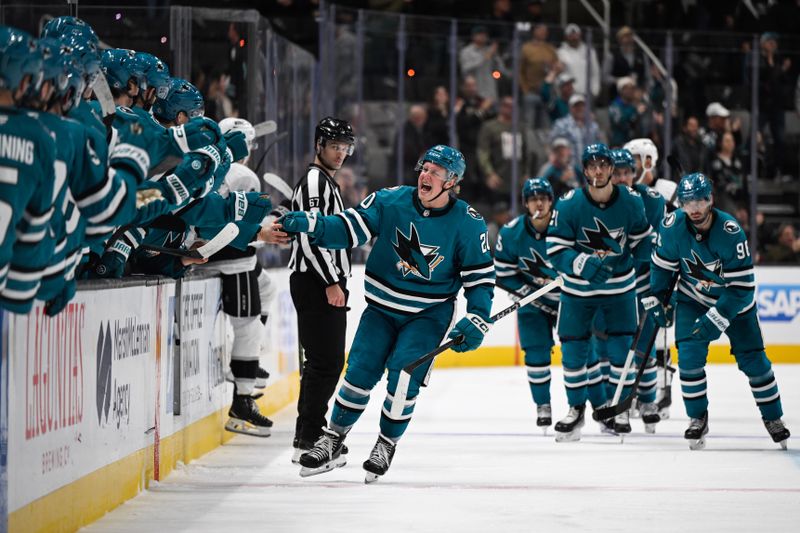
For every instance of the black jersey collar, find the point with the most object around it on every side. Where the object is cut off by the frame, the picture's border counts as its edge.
(609, 203)
(428, 212)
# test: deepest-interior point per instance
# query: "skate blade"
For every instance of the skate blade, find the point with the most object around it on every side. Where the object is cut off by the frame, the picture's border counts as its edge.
(327, 467)
(544, 429)
(784, 444)
(697, 444)
(570, 436)
(650, 428)
(608, 431)
(369, 477)
(240, 426)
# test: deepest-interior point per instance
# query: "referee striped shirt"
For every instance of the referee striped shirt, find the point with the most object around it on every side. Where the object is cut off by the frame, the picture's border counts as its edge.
(319, 193)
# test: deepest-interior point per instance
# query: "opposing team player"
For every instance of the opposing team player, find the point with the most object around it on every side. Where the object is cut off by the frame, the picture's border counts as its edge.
(708, 252)
(597, 234)
(428, 245)
(27, 174)
(520, 257)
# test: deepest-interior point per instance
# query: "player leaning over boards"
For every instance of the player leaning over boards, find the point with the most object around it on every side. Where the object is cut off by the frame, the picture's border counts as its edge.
(520, 257)
(597, 235)
(428, 245)
(708, 251)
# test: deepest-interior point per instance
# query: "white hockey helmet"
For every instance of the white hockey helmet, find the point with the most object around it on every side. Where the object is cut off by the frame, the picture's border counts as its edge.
(240, 124)
(644, 148)
(239, 178)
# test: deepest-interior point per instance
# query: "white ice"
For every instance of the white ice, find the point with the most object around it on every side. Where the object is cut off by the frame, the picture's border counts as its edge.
(473, 460)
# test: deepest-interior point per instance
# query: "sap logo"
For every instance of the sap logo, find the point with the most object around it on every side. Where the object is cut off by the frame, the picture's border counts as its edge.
(778, 303)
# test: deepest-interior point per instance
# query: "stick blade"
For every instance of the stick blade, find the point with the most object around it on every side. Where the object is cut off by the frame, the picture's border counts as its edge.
(220, 241)
(277, 183)
(265, 128)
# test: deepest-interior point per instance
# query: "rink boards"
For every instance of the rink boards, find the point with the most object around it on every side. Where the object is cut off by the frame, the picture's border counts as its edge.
(110, 396)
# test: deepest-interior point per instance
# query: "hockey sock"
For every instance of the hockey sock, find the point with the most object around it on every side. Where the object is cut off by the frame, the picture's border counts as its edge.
(539, 382)
(768, 399)
(627, 382)
(350, 403)
(693, 387)
(393, 427)
(646, 391)
(575, 383)
(595, 384)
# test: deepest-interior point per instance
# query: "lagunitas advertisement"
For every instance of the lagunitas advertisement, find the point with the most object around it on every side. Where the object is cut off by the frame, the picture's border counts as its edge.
(81, 388)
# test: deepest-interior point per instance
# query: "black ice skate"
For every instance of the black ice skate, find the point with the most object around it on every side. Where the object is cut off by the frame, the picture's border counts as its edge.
(261, 378)
(778, 431)
(544, 416)
(245, 418)
(379, 460)
(607, 425)
(650, 416)
(326, 454)
(301, 446)
(622, 423)
(568, 429)
(696, 432)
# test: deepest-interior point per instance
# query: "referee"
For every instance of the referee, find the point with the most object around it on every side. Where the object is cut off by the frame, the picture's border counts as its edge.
(319, 284)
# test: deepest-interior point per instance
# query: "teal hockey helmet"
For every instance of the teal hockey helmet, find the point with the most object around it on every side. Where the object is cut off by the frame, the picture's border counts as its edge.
(534, 186)
(19, 57)
(86, 53)
(446, 157)
(155, 73)
(181, 96)
(596, 152)
(695, 186)
(67, 27)
(119, 65)
(622, 158)
(60, 67)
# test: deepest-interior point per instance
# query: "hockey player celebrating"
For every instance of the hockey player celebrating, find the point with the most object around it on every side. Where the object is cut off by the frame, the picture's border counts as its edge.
(428, 245)
(520, 257)
(597, 233)
(708, 252)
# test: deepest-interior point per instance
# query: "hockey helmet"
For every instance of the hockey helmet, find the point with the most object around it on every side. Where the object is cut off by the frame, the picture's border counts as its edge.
(644, 148)
(597, 152)
(695, 186)
(334, 129)
(155, 73)
(66, 27)
(239, 124)
(119, 65)
(87, 55)
(19, 57)
(446, 157)
(622, 158)
(239, 178)
(534, 186)
(61, 69)
(181, 96)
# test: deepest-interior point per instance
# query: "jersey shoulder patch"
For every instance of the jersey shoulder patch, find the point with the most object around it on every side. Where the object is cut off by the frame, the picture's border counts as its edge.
(669, 220)
(731, 227)
(474, 214)
(511, 224)
(567, 195)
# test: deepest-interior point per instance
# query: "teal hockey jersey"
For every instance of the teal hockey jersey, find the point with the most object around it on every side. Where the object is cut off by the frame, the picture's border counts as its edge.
(616, 231)
(715, 268)
(421, 257)
(655, 208)
(520, 257)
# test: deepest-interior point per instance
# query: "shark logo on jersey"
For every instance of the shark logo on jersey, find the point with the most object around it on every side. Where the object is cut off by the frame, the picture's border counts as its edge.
(415, 258)
(708, 275)
(604, 241)
(537, 267)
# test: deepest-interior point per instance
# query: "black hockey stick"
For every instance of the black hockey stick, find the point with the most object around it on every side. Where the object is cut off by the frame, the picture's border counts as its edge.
(220, 241)
(540, 306)
(613, 410)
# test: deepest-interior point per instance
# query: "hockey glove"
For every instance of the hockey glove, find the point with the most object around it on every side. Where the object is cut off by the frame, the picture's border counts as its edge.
(709, 326)
(237, 145)
(112, 264)
(662, 314)
(470, 330)
(198, 133)
(150, 211)
(60, 301)
(258, 207)
(298, 222)
(591, 268)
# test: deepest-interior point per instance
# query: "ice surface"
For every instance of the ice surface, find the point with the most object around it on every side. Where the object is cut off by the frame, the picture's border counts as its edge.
(474, 460)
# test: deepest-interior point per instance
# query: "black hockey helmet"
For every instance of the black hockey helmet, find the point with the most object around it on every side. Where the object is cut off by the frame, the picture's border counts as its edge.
(334, 129)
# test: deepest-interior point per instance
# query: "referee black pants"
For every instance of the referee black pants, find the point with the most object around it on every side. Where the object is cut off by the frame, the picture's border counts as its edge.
(322, 334)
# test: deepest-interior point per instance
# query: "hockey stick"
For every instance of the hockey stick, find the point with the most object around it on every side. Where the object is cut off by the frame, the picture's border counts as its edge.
(618, 406)
(405, 375)
(540, 306)
(265, 128)
(277, 138)
(220, 241)
(277, 183)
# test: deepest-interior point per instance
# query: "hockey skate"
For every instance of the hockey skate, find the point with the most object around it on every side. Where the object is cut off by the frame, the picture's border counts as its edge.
(607, 425)
(622, 423)
(568, 429)
(696, 432)
(665, 402)
(245, 418)
(778, 431)
(379, 460)
(301, 446)
(325, 455)
(636, 409)
(544, 416)
(650, 416)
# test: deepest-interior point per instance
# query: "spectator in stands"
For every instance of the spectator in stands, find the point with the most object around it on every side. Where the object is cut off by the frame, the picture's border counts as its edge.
(626, 61)
(500, 20)
(496, 144)
(560, 171)
(533, 12)
(557, 88)
(480, 59)
(437, 125)
(773, 72)
(742, 216)
(719, 122)
(689, 148)
(786, 249)
(537, 58)
(573, 53)
(625, 112)
(471, 112)
(415, 141)
(574, 128)
(728, 175)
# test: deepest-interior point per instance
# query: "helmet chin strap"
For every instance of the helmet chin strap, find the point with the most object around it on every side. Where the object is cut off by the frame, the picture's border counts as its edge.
(444, 189)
